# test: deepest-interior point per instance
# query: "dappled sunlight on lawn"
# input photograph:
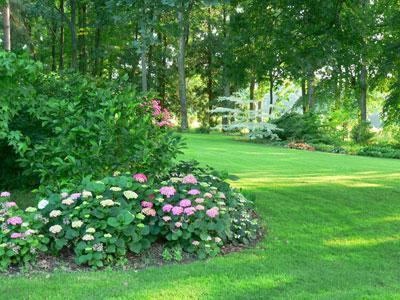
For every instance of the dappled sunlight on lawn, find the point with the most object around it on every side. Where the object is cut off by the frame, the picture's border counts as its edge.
(352, 181)
(353, 242)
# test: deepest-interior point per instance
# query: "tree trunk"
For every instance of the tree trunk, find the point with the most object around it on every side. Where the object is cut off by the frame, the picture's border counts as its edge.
(61, 61)
(209, 69)
(163, 77)
(184, 34)
(271, 94)
(310, 91)
(143, 55)
(82, 39)
(304, 95)
(53, 44)
(364, 89)
(252, 87)
(227, 87)
(7, 27)
(72, 24)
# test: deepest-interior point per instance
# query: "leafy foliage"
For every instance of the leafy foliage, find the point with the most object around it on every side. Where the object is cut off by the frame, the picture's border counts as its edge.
(20, 236)
(67, 128)
(361, 133)
(298, 127)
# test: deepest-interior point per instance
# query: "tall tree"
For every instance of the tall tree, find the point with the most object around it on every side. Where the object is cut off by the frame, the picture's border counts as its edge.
(7, 26)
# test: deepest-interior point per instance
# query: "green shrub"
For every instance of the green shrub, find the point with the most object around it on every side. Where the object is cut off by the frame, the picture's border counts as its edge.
(301, 127)
(103, 222)
(385, 151)
(361, 133)
(64, 129)
(21, 238)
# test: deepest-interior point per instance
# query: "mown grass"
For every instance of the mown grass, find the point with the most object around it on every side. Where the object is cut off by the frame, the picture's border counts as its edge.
(333, 226)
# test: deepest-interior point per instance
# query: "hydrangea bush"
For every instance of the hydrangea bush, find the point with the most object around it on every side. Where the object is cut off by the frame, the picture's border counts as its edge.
(101, 222)
(20, 236)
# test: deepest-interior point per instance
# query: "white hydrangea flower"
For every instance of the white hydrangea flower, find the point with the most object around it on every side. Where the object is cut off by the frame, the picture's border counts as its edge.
(77, 224)
(115, 189)
(43, 203)
(88, 237)
(99, 197)
(68, 201)
(91, 230)
(130, 195)
(55, 213)
(107, 202)
(107, 235)
(86, 194)
(55, 229)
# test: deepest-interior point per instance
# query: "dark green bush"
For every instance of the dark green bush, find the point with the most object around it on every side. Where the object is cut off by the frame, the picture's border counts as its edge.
(361, 133)
(301, 127)
(59, 130)
(385, 151)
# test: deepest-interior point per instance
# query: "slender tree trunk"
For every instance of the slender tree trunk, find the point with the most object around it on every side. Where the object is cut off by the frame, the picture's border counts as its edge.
(310, 91)
(252, 87)
(97, 40)
(271, 94)
(62, 37)
(74, 56)
(53, 44)
(304, 95)
(209, 68)
(184, 34)
(163, 77)
(82, 39)
(7, 27)
(364, 89)
(143, 57)
(227, 87)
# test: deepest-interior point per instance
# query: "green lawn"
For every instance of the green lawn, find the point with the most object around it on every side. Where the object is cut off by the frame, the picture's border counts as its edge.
(333, 226)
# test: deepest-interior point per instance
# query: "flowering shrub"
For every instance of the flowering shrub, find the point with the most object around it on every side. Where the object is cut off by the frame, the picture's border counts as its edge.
(100, 222)
(103, 221)
(20, 236)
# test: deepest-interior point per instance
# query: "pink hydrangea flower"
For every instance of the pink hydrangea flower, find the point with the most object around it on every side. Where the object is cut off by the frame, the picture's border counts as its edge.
(199, 200)
(14, 221)
(167, 208)
(208, 195)
(10, 204)
(199, 207)
(177, 210)
(147, 204)
(17, 235)
(212, 212)
(222, 195)
(178, 224)
(168, 191)
(149, 211)
(194, 192)
(189, 179)
(5, 194)
(75, 196)
(189, 211)
(166, 218)
(185, 203)
(140, 177)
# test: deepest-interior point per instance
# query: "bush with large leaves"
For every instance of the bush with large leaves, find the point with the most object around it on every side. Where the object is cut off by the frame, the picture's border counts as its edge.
(58, 130)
